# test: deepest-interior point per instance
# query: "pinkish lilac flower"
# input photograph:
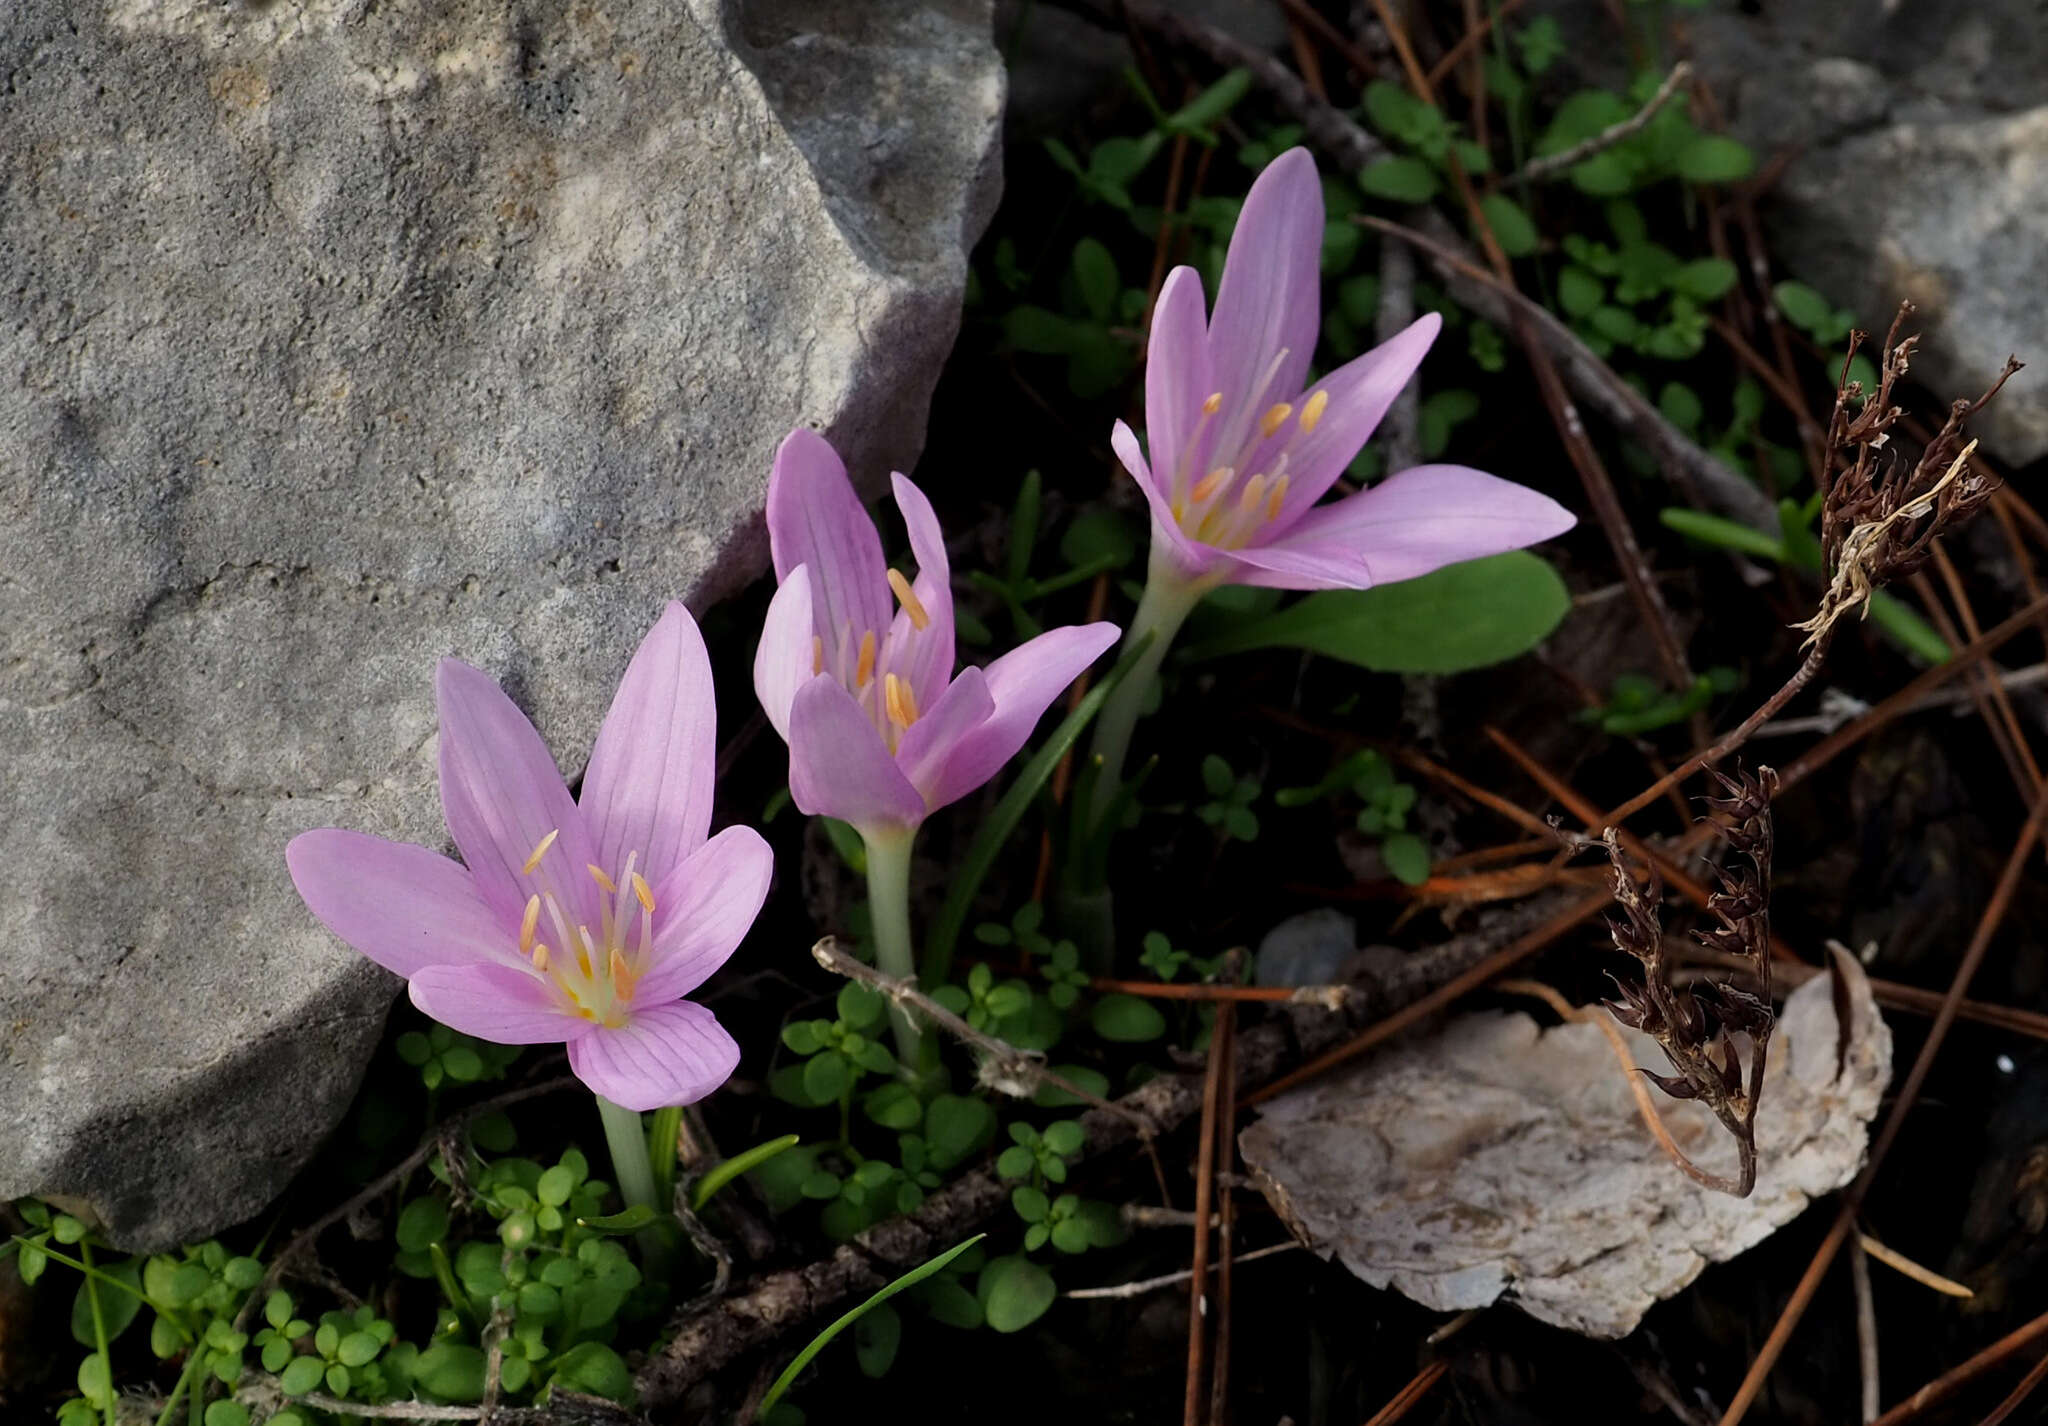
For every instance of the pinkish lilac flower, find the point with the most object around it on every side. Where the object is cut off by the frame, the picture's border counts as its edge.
(1243, 445)
(585, 920)
(855, 666)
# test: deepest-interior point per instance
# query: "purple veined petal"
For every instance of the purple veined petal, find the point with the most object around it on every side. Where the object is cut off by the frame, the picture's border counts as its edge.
(703, 910)
(784, 660)
(1357, 397)
(925, 748)
(840, 767)
(1186, 557)
(922, 656)
(1408, 525)
(648, 787)
(500, 1003)
(404, 907)
(1022, 683)
(664, 1054)
(502, 794)
(1270, 299)
(815, 518)
(1179, 377)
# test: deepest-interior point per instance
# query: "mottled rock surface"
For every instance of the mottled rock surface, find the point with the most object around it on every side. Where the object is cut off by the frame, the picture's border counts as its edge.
(1498, 1160)
(336, 337)
(1918, 135)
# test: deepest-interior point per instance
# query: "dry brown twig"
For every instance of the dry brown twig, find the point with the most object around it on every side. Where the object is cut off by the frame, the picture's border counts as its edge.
(1879, 520)
(1695, 1027)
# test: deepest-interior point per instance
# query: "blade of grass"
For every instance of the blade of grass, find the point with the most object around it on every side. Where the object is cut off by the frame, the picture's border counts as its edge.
(708, 1186)
(818, 1343)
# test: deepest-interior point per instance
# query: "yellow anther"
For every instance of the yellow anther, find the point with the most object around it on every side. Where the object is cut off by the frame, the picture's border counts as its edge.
(1312, 409)
(864, 670)
(900, 702)
(1212, 403)
(1253, 489)
(584, 951)
(645, 892)
(527, 922)
(907, 597)
(622, 978)
(1276, 416)
(611, 888)
(533, 857)
(817, 653)
(1276, 499)
(1207, 485)
(540, 957)
(1180, 510)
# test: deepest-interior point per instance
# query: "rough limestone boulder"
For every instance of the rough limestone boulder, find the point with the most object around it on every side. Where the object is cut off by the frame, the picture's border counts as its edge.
(1918, 133)
(336, 337)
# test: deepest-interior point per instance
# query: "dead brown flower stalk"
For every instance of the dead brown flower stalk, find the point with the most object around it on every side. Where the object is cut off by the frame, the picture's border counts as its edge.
(1696, 1027)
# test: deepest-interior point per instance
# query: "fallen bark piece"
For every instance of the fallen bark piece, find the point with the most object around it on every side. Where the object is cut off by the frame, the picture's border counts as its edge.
(1499, 1160)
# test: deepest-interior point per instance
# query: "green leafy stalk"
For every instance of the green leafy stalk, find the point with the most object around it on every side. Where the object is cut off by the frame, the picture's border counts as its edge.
(664, 1136)
(818, 1343)
(633, 1170)
(944, 932)
(1165, 606)
(889, 915)
(99, 1328)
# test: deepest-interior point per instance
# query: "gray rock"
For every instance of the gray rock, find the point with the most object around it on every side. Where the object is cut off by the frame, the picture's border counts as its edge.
(336, 337)
(1306, 949)
(1919, 169)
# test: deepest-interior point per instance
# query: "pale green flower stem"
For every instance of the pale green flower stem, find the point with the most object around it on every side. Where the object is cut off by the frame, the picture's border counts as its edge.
(631, 1167)
(1164, 607)
(889, 919)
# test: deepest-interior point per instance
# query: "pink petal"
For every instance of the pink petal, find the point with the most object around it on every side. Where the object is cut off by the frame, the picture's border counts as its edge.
(1023, 683)
(1360, 394)
(703, 910)
(503, 1004)
(923, 656)
(665, 1054)
(1410, 524)
(1179, 377)
(648, 788)
(964, 706)
(1183, 555)
(840, 767)
(816, 519)
(1271, 296)
(786, 656)
(501, 793)
(403, 906)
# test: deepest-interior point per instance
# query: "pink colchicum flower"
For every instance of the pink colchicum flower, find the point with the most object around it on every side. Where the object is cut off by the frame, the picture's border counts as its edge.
(861, 685)
(1242, 449)
(585, 921)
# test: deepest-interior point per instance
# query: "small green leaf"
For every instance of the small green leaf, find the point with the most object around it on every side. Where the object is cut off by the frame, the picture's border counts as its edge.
(1406, 856)
(1064, 1137)
(875, 1340)
(1681, 407)
(1705, 279)
(303, 1375)
(1715, 158)
(452, 1371)
(357, 1349)
(860, 1007)
(1127, 1020)
(1096, 276)
(1399, 180)
(894, 1106)
(1579, 291)
(1015, 1292)
(227, 1413)
(1051, 1096)
(1728, 534)
(1031, 1203)
(421, 1222)
(594, 1368)
(827, 1076)
(1511, 226)
(555, 1186)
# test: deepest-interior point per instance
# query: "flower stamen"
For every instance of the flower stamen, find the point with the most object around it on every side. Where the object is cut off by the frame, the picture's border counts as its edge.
(1312, 411)
(644, 892)
(1209, 484)
(611, 888)
(899, 700)
(528, 922)
(1275, 417)
(864, 670)
(1212, 403)
(540, 850)
(817, 654)
(905, 595)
